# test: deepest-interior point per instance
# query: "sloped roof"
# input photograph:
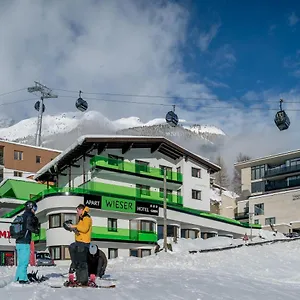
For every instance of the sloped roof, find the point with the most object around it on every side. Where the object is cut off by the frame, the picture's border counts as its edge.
(87, 143)
(21, 190)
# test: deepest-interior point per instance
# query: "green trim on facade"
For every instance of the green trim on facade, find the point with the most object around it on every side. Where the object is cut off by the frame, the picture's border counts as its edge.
(21, 190)
(123, 234)
(80, 192)
(133, 168)
(131, 193)
(41, 237)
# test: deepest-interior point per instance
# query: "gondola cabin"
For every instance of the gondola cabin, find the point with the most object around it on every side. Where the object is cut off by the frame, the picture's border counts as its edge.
(81, 104)
(172, 118)
(37, 106)
(282, 120)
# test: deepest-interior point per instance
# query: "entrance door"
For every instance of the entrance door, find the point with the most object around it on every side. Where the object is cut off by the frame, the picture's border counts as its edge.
(6, 258)
(133, 230)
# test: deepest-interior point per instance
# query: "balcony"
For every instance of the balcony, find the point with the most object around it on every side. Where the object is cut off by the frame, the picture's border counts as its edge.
(242, 216)
(281, 171)
(134, 169)
(123, 235)
(124, 191)
(282, 184)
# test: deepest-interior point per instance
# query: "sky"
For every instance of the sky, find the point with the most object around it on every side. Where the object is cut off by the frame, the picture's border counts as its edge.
(237, 58)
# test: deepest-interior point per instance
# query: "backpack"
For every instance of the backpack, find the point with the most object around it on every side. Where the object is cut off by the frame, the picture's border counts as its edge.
(17, 228)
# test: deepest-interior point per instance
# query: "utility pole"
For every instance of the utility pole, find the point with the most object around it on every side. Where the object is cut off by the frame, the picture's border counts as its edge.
(165, 210)
(250, 223)
(45, 93)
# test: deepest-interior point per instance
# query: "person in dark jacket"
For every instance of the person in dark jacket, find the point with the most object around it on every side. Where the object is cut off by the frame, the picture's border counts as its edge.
(32, 225)
(97, 262)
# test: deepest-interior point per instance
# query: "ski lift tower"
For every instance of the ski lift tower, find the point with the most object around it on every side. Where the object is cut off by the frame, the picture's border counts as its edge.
(45, 93)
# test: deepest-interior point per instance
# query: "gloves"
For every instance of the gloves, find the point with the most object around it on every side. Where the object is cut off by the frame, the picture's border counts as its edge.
(67, 224)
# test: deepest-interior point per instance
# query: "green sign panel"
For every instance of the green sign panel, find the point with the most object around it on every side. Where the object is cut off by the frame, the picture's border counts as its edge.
(121, 205)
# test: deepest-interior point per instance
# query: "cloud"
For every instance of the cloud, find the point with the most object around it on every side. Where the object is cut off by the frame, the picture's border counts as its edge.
(216, 84)
(129, 47)
(293, 64)
(224, 57)
(206, 38)
(293, 19)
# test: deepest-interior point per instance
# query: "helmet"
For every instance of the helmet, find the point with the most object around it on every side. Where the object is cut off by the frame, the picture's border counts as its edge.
(29, 205)
(66, 223)
(93, 249)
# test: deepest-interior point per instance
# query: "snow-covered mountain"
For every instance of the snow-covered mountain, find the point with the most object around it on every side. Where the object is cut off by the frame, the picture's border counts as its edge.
(60, 130)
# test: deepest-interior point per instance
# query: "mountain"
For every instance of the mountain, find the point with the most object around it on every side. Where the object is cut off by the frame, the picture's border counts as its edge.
(60, 130)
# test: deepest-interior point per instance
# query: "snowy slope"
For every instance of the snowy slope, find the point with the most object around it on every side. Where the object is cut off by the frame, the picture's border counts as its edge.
(261, 272)
(53, 125)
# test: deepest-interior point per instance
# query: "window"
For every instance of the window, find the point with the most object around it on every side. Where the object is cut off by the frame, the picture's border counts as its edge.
(142, 165)
(72, 217)
(38, 159)
(147, 226)
(258, 209)
(162, 170)
(196, 194)
(179, 192)
(257, 187)
(1, 174)
(66, 252)
(18, 174)
(55, 221)
(256, 221)
(257, 172)
(146, 252)
(55, 252)
(112, 253)
(144, 189)
(178, 170)
(161, 193)
(134, 252)
(196, 172)
(18, 155)
(112, 224)
(270, 221)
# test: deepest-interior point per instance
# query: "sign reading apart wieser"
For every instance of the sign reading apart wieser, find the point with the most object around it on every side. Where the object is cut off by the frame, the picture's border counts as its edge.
(146, 208)
(121, 205)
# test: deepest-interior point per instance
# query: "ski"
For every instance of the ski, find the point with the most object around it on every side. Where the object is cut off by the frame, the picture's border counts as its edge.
(58, 286)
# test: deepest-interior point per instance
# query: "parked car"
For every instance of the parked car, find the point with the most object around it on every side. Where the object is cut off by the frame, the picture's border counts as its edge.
(43, 258)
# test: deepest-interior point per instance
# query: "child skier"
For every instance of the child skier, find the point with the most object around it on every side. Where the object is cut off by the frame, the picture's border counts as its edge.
(97, 262)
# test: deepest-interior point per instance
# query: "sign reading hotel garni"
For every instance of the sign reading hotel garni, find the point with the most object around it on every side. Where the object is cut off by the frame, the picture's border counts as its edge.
(146, 208)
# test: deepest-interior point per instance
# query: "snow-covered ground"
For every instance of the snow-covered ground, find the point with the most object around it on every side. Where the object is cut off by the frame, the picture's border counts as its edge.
(258, 272)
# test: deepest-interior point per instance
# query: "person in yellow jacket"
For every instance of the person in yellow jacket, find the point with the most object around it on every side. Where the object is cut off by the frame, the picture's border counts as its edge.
(79, 249)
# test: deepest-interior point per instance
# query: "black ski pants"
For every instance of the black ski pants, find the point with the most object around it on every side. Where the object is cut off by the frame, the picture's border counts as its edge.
(78, 253)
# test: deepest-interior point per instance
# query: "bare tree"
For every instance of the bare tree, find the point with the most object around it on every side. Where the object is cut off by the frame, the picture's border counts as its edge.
(236, 181)
(221, 177)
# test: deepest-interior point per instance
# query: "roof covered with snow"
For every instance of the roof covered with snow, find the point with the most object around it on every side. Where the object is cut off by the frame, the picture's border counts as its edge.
(4, 141)
(88, 143)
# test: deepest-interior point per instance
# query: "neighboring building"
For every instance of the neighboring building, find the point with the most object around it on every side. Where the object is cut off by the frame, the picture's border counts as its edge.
(121, 178)
(21, 160)
(223, 201)
(271, 191)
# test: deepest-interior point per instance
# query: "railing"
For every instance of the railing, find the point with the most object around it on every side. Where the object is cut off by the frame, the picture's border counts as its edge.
(241, 216)
(280, 171)
(134, 168)
(282, 184)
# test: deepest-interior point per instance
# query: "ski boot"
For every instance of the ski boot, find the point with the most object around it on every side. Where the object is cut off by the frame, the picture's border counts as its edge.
(71, 280)
(92, 281)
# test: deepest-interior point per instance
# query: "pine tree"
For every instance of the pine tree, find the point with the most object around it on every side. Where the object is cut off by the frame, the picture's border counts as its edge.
(236, 181)
(221, 177)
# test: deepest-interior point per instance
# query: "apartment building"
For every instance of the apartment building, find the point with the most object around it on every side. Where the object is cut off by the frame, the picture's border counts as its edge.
(21, 160)
(271, 191)
(121, 179)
